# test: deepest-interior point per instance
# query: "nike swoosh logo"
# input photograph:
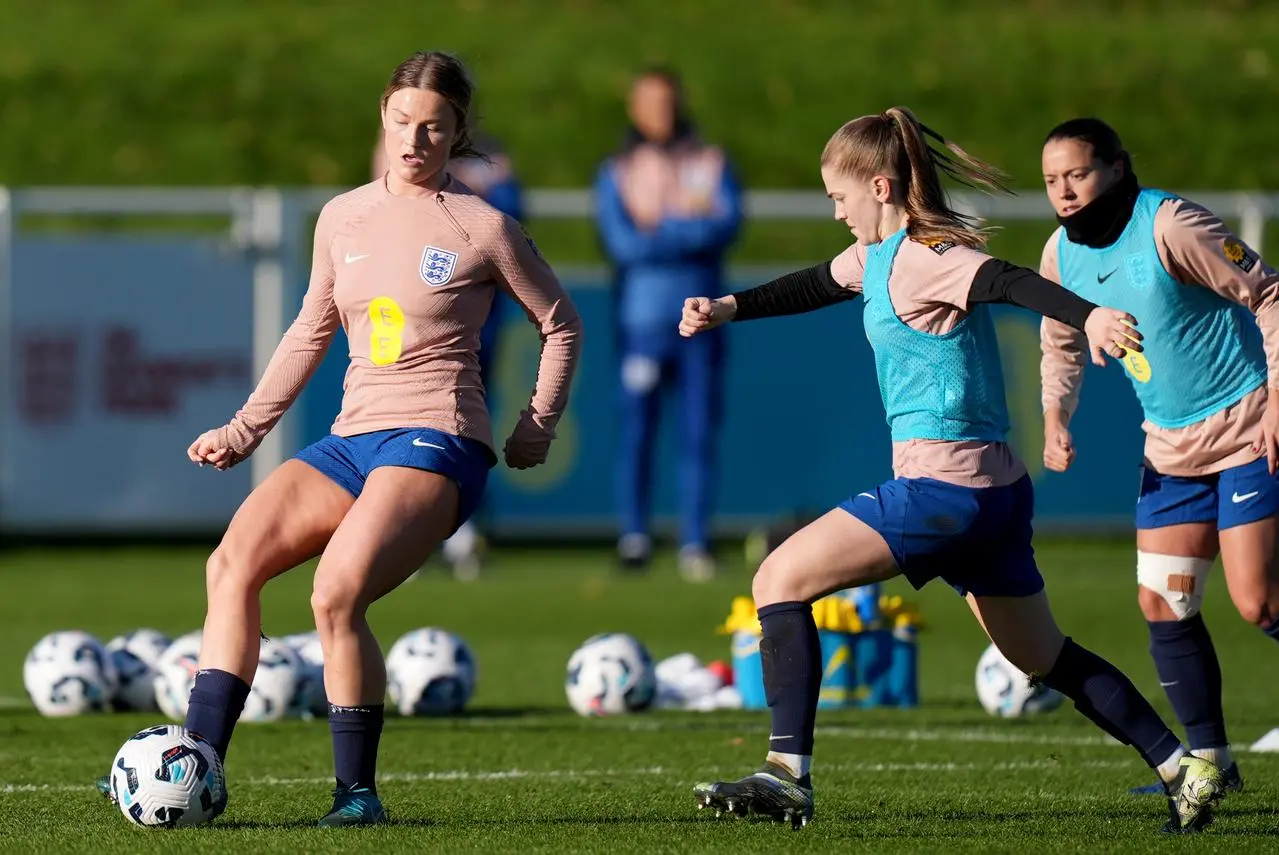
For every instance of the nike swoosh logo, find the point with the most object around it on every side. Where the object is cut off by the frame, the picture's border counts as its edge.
(351, 259)
(771, 738)
(1236, 498)
(1166, 685)
(1101, 278)
(419, 442)
(867, 495)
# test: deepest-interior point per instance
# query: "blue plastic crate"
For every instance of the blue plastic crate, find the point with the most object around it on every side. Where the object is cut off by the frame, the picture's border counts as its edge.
(877, 668)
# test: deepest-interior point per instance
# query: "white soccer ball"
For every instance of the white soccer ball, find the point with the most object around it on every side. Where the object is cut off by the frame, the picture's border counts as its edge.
(135, 655)
(69, 673)
(610, 674)
(167, 776)
(430, 672)
(175, 674)
(1006, 692)
(274, 684)
(309, 701)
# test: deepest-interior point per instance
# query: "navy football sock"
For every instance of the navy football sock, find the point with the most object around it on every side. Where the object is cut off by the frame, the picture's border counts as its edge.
(1272, 629)
(791, 656)
(217, 699)
(356, 733)
(1191, 677)
(1109, 700)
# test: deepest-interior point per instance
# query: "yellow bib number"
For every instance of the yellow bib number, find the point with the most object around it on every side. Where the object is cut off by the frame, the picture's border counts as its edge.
(387, 338)
(1138, 366)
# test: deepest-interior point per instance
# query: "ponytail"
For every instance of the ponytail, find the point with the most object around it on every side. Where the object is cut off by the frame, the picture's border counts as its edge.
(895, 143)
(931, 219)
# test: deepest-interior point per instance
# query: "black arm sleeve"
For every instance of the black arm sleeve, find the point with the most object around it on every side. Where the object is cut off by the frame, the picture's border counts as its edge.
(792, 294)
(998, 281)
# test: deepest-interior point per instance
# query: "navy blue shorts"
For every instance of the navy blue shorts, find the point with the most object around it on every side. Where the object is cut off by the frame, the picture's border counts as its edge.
(348, 460)
(1232, 497)
(975, 539)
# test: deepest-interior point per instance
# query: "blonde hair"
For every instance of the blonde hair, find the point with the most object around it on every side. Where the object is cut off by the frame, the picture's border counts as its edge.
(895, 144)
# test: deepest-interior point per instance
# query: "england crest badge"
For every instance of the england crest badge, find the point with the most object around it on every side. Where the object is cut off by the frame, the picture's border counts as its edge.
(437, 266)
(1140, 273)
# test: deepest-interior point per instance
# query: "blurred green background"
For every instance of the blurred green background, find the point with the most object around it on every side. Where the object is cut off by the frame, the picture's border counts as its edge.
(286, 92)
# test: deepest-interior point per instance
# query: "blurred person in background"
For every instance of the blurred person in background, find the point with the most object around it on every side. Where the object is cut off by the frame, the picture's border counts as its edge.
(493, 178)
(667, 208)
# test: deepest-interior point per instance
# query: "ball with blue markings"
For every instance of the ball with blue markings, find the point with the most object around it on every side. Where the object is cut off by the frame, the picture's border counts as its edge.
(309, 699)
(610, 674)
(135, 655)
(69, 673)
(430, 671)
(275, 683)
(1006, 692)
(175, 674)
(167, 776)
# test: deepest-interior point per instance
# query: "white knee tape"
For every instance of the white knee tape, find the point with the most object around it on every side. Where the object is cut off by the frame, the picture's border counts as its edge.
(1179, 580)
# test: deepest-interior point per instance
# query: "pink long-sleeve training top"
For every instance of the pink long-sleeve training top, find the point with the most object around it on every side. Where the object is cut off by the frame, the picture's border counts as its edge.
(410, 280)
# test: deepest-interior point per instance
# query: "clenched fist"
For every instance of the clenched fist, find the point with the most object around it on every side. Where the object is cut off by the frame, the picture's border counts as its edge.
(703, 313)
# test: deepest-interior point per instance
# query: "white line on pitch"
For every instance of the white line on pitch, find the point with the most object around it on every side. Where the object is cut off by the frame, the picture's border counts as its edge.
(963, 735)
(571, 774)
(904, 734)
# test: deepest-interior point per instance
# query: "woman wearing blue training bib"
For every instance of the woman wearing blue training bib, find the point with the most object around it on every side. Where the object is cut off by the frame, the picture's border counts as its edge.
(1207, 305)
(961, 505)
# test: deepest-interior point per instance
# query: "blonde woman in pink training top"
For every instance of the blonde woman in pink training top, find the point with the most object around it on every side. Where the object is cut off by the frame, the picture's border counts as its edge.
(408, 265)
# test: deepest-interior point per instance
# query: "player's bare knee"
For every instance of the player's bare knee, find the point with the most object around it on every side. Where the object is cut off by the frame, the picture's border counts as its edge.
(1171, 587)
(227, 574)
(333, 603)
(762, 588)
(322, 606)
(774, 582)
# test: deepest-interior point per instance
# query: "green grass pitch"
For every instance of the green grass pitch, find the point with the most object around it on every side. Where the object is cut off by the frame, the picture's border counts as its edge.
(519, 772)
